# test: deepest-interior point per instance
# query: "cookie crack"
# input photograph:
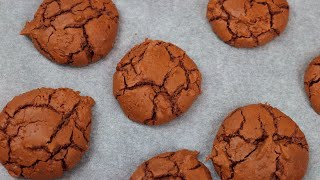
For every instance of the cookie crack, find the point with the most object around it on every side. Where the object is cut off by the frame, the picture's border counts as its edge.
(234, 36)
(235, 163)
(52, 155)
(313, 82)
(47, 22)
(8, 119)
(80, 128)
(22, 125)
(277, 137)
(10, 138)
(42, 48)
(227, 138)
(291, 140)
(121, 67)
(30, 106)
(61, 12)
(212, 17)
(172, 98)
(271, 20)
(279, 168)
(148, 172)
(175, 164)
(64, 122)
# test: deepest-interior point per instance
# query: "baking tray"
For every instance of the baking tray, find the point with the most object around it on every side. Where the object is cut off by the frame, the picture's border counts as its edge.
(231, 78)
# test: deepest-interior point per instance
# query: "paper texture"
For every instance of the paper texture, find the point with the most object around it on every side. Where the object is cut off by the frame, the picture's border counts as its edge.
(231, 78)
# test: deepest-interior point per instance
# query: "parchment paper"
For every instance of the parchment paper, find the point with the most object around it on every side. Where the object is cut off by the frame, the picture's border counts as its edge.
(231, 78)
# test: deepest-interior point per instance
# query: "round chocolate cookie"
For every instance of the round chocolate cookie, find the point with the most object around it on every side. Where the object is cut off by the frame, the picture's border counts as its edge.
(156, 82)
(260, 142)
(44, 132)
(74, 32)
(248, 23)
(312, 85)
(179, 165)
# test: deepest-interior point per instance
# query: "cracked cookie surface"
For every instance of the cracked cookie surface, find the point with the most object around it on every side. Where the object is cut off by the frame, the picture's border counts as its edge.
(74, 32)
(312, 85)
(260, 142)
(44, 132)
(248, 23)
(180, 165)
(156, 82)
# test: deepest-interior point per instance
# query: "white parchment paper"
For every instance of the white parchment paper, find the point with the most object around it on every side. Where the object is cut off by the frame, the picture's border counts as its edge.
(231, 78)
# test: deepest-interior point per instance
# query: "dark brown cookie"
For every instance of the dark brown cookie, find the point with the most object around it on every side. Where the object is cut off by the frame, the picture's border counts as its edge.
(248, 23)
(44, 132)
(74, 32)
(312, 85)
(260, 142)
(156, 82)
(179, 165)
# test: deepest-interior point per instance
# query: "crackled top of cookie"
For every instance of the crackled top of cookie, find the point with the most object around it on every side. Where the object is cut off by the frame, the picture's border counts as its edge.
(248, 23)
(178, 165)
(44, 132)
(260, 142)
(74, 32)
(156, 82)
(312, 85)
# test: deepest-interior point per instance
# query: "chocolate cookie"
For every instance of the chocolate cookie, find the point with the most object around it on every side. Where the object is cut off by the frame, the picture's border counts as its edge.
(44, 132)
(248, 23)
(74, 32)
(312, 85)
(179, 165)
(156, 82)
(260, 142)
